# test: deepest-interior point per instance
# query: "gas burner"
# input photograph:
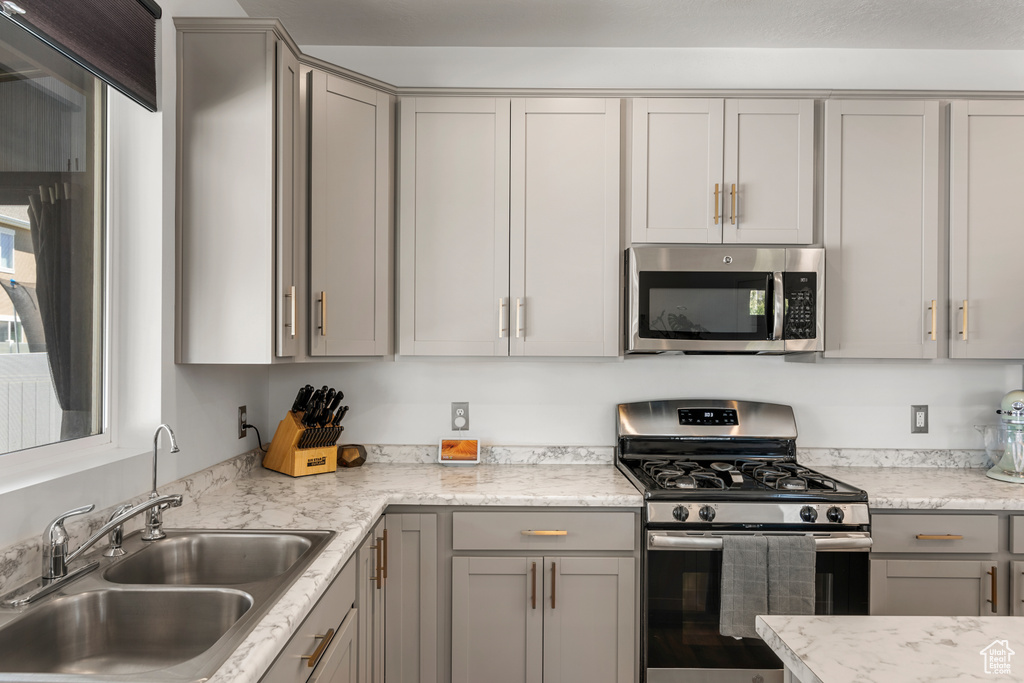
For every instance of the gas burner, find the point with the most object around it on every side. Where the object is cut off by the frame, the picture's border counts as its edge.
(791, 484)
(682, 474)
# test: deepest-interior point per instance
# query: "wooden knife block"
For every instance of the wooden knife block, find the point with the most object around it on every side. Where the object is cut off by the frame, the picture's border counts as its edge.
(286, 457)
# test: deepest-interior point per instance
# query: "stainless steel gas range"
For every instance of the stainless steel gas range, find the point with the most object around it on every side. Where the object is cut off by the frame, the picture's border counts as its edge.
(710, 469)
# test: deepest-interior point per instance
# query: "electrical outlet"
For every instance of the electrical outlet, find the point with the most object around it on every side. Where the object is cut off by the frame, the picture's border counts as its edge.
(460, 417)
(242, 421)
(918, 419)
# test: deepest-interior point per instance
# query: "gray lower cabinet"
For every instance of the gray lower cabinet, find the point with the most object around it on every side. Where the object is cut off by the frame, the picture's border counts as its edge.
(410, 578)
(370, 601)
(932, 563)
(934, 587)
(543, 618)
(323, 649)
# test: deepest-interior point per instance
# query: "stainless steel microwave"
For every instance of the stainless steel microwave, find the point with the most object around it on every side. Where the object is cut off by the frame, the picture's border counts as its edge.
(724, 299)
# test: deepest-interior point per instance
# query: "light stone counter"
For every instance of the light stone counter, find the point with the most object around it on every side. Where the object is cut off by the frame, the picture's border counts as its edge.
(350, 501)
(930, 488)
(867, 649)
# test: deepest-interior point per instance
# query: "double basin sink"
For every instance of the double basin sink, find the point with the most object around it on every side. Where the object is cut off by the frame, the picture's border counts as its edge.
(170, 610)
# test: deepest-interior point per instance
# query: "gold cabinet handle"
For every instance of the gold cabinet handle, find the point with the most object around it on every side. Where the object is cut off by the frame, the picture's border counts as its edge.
(732, 192)
(994, 599)
(934, 313)
(385, 569)
(716, 203)
(544, 532)
(502, 318)
(963, 332)
(939, 537)
(377, 574)
(552, 585)
(291, 297)
(533, 585)
(325, 641)
(520, 330)
(323, 314)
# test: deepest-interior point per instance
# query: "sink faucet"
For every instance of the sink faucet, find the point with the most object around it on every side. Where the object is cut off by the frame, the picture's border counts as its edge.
(55, 538)
(154, 522)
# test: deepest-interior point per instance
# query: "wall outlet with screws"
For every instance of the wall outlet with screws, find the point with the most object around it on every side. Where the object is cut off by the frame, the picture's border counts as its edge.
(918, 419)
(460, 416)
(242, 421)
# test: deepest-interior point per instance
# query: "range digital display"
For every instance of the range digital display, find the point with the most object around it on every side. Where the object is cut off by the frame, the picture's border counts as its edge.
(708, 416)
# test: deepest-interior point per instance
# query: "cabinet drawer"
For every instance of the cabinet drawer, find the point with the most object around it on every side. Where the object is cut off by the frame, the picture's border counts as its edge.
(544, 531)
(328, 614)
(935, 533)
(1017, 534)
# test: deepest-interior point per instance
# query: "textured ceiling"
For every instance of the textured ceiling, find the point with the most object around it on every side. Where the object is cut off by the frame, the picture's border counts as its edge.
(900, 24)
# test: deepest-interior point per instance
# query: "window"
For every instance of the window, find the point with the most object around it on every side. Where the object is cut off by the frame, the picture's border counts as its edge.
(51, 245)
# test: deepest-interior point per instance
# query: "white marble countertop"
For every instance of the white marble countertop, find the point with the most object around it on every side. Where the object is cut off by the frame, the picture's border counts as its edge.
(351, 500)
(866, 649)
(930, 488)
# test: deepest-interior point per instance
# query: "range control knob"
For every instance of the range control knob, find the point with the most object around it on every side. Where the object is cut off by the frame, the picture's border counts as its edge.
(808, 514)
(681, 513)
(834, 514)
(707, 513)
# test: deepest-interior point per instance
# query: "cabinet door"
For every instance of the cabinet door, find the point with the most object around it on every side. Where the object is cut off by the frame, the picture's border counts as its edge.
(497, 619)
(676, 178)
(934, 588)
(410, 578)
(565, 241)
(883, 235)
(286, 253)
(589, 613)
(350, 219)
(769, 171)
(1017, 588)
(370, 601)
(986, 220)
(453, 227)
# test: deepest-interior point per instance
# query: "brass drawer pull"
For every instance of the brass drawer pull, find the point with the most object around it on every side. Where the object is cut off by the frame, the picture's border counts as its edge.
(384, 575)
(716, 203)
(544, 532)
(552, 585)
(939, 537)
(325, 641)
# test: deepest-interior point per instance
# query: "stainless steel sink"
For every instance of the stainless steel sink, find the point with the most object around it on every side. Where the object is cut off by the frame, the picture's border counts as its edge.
(116, 631)
(170, 610)
(213, 558)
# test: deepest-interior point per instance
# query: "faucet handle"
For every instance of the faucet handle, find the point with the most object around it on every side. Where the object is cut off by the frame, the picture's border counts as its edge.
(55, 529)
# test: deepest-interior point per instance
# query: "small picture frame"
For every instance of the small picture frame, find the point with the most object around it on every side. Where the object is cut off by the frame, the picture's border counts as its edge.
(458, 452)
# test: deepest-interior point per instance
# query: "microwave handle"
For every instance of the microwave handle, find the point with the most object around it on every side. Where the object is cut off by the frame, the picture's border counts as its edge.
(778, 305)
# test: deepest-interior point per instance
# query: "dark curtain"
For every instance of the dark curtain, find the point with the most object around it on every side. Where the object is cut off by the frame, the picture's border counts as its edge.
(65, 292)
(27, 306)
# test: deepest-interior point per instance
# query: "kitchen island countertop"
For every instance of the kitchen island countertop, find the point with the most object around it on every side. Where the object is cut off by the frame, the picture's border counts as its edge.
(351, 500)
(869, 649)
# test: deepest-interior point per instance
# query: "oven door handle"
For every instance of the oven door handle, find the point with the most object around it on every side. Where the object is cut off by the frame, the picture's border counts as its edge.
(715, 542)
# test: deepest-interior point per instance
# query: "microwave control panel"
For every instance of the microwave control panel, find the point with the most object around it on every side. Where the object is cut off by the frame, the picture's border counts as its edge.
(800, 321)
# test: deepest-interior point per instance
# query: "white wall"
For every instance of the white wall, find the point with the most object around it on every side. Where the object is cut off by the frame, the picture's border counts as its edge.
(695, 68)
(852, 405)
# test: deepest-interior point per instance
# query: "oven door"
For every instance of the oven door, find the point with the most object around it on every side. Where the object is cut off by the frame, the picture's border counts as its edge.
(682, 591)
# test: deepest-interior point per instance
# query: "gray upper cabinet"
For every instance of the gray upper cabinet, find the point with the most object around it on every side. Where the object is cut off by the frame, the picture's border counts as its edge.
(712, 171)
(236, 262)
(350, 194)
(986, 205)
(509, 227)
(884, 240)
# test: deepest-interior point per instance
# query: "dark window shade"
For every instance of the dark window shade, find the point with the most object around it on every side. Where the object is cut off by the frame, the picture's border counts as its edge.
(114, 39)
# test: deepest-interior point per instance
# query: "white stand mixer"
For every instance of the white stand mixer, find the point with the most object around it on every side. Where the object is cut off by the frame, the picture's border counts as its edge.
(1011, 440)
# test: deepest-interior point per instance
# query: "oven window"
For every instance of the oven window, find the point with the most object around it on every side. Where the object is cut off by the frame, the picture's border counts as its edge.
(714, 306)
(683, 602)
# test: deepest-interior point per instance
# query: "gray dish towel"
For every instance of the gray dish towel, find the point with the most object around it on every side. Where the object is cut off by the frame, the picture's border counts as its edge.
(744, 584)
(791, 574)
